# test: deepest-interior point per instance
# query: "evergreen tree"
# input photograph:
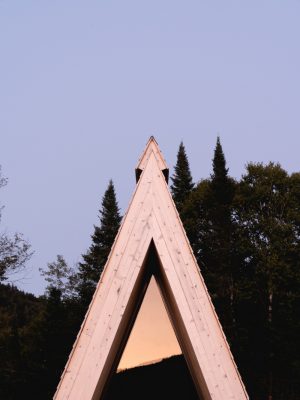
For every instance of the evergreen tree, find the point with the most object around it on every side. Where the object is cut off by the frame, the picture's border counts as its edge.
(219, 163)
(220, 212)
(208, 213)
(220, 182)
(220, 258)
(182, 181)
(102, 239)
(210, 228)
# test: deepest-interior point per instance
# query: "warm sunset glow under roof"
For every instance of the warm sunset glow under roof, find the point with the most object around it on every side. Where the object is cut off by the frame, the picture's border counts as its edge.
(152, 337)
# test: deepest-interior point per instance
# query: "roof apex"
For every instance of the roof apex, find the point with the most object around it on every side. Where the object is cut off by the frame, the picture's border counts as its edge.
(151, 147)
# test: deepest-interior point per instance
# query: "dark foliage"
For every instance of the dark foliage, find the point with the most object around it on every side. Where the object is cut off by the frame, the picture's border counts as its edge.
(168, 379)
(36, 336)
(17, 311)
(182, 182)
(246, 238)
(207, 216)
(102, 240)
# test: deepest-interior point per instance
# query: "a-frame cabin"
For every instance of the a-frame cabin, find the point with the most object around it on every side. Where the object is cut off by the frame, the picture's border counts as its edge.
(151, 241)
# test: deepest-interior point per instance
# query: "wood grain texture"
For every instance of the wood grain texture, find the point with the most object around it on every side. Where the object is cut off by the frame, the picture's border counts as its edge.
(151, 224)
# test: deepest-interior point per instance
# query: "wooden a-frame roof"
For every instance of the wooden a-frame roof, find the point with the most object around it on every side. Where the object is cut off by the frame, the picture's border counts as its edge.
(151, 240)
(152, 148)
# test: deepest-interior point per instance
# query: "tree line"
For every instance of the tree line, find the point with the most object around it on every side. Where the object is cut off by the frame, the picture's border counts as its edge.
(245, 235)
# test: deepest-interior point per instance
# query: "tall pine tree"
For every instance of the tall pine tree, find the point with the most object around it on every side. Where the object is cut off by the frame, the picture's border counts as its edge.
(220, 258)
(220, 182)
(182, 181)
(102, 239)
(222, 193)
(210, 228)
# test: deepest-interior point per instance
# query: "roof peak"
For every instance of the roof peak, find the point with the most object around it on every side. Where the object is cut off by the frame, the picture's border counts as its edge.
(151, 147)
(152, 138)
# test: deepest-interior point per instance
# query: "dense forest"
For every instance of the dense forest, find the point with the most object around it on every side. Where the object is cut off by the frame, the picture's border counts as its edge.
(245, 235)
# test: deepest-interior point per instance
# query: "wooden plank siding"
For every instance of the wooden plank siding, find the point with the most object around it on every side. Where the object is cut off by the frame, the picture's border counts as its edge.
(151, 228)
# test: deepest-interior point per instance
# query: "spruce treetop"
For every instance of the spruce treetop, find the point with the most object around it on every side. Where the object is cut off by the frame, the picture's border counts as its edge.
(102, 240)
(219, 163)
(105, 233)
(221, 183)
(182, 181)
(110, 218)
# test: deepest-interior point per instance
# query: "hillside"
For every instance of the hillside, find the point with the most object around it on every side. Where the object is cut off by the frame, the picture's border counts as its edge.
(168, 379)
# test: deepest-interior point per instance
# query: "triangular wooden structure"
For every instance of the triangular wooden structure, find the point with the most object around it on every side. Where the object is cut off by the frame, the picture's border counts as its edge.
(151, 240)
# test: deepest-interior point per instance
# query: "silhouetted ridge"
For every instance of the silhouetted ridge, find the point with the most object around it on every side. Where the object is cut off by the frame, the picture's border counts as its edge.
(168, 379)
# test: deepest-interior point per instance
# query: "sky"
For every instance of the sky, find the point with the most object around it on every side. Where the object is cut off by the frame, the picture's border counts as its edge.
(83, 84)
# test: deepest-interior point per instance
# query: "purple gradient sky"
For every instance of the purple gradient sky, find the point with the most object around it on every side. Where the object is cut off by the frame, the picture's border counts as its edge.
(84, 84)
